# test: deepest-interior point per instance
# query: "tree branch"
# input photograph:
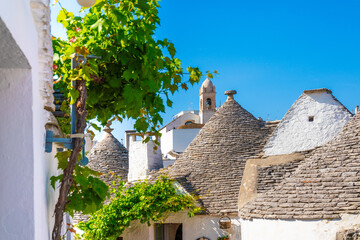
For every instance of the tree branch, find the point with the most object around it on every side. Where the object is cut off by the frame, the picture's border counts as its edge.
(68, 172)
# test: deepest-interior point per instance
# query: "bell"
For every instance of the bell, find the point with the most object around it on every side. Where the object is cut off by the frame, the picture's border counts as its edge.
(86, 3)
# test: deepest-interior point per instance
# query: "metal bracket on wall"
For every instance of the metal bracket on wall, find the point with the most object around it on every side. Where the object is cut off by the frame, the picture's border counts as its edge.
(67, 142)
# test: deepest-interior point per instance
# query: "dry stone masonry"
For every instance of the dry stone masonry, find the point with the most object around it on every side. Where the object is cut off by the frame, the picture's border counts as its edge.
(325, 185)
(109, 155)
(212, 164)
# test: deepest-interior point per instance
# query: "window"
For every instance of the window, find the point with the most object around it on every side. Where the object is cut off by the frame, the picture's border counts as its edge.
(189, 122)
(208, 103)
(311, 118)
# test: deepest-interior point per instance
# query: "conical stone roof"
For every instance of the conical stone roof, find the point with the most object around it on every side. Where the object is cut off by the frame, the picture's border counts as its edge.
(325, 185)
(109, 155)
(212, 164)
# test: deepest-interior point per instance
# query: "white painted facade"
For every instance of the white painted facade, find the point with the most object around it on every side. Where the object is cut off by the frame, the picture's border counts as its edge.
(26, 197)
(296, 133)
(180, 119)
(192, 228)
(142, 159)
(296, 229)
(177, 140)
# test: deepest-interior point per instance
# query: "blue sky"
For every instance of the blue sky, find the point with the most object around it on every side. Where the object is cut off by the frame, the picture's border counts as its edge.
(269, 51)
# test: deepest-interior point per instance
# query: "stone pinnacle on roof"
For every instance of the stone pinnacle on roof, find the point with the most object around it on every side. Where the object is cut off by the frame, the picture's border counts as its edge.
(325, 185)
(230, 93)
(108, 129)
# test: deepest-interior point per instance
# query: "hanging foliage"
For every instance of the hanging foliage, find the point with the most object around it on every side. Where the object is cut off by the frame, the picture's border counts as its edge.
(144, 201)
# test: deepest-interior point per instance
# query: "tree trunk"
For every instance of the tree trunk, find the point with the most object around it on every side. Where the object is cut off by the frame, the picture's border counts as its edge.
(68, 172)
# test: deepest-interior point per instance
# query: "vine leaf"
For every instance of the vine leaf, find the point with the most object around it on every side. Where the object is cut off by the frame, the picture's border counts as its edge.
(74, 95)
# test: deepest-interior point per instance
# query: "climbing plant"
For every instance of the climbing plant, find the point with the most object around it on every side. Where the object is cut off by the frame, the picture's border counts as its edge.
(133, 76)
(143, 201)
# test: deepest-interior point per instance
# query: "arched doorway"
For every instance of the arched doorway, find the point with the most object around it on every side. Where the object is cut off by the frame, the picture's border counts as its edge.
(168, 231)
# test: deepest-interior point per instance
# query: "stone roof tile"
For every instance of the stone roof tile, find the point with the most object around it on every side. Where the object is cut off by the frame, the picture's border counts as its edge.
(107, 155)
(324, 186)
(213, 163)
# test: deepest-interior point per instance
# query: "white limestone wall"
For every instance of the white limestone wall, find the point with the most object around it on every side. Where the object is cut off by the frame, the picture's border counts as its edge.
(16, 155)
(296, 230)
(193, 228)
(166, 141)
(142, 159)
(24, 197)
(177, 139)
(296, 133)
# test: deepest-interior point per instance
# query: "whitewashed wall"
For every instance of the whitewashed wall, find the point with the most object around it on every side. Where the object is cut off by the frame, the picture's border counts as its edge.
(296, 230)
(177, 139)
(179, 121)
(16, 155)
(142, 159)
(296, 133)
(193, 228)
(25, 172)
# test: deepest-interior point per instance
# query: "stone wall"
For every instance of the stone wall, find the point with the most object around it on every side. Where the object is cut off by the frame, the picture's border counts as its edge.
(41, 14)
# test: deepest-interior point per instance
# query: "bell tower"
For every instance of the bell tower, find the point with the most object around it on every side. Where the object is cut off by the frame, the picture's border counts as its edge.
(207, 101)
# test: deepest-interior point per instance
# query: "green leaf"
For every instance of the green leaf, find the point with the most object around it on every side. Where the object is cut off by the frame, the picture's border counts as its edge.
(100, 188)
(74, 95)
(172, 50)
(63, 159)
(98, 25)
(61, 16)
(96, 127)
(54, 179)
(128, 74)
(83, 181)
(141, 125)
(115, 82)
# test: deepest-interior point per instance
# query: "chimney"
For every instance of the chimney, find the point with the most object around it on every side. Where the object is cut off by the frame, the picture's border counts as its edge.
(128, 135)
(356, 109)
(142, 156)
